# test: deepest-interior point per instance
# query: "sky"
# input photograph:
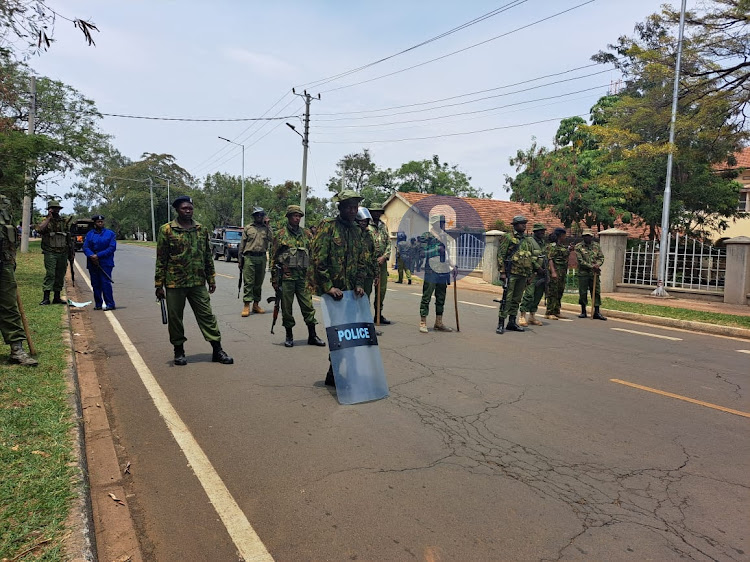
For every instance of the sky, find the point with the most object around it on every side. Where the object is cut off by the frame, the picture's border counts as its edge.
(238, 60)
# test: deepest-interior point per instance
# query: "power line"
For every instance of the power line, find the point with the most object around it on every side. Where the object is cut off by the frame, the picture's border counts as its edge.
(461, 50)
(456, 134)
(194, 119)
(468, 102)
(465, 112)
(479, 19)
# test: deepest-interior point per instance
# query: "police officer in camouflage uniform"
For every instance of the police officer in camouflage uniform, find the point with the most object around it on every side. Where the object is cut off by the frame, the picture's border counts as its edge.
(371, 265)
(559, 254)
(11, 325)
(290, 259)
(256, 238)
(437, 276)
(338, 255)
(382, 255)
(514, 250)
(590, 260)
(184, 265)
(535, 290)
(403, 257)
(56, 248)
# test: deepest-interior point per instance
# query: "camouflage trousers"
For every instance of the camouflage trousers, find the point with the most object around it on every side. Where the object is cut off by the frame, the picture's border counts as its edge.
(55, 266)
(383, 272)
(403, 267)
(290, 288)
(516, 287)
(586, 286)
(555, 291)
(200, 302)
(440, 289)
(10, 317)
(532, 295)
(253, 273)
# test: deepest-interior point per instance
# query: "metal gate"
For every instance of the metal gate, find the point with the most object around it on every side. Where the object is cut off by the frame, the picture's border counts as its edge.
(470, 251)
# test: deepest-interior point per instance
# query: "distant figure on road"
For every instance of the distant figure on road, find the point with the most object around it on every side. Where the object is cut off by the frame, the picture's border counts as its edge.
(535, 290)
(338, 256)
(11, 325)
(184, 265)
(515, 264)
(558, 253)
(403, 255)
(437, 276)
(99, 246)
(590, 260)
(290, 260)
(56, 247)
(256, 238)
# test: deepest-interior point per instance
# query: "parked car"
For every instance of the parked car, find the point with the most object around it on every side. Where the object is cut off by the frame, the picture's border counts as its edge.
(78, 232)
(226, 242)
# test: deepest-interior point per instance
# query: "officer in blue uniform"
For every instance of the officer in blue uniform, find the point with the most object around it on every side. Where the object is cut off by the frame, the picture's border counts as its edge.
(99, 246)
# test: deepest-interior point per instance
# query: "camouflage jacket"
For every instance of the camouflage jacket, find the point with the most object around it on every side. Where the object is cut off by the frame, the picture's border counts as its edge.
(538, 251)
(256, 238)
(371, 260)
(290, 250)
(56, 236)
(559, 255)
(382, 240)
(404, 250)
(437, 266)
(522, 259)
(8, 238)
(337, 257)
(183, 257)
(589, 256)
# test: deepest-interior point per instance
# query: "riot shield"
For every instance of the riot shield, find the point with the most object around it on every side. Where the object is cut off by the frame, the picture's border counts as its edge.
(355, 355)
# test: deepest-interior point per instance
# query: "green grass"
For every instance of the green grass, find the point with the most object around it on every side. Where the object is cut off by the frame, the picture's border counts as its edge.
(37, 465)
(138, 243)
(670, 312)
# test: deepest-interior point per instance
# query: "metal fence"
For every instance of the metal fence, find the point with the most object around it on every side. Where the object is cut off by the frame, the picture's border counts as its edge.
(691, 264)
(470, 253)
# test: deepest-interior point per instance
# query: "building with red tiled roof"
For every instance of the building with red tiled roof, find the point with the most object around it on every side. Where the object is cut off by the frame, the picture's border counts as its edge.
(480, 214)
(740, 226)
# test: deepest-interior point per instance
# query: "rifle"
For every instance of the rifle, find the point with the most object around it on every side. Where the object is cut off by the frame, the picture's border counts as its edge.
(164, 319)
(71, 260)
(102, 272)
(239, 281)
(276, 299)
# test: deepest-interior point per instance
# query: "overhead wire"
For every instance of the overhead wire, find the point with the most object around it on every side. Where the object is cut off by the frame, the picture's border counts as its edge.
(476, 20)
(461, 50)
(194, 119)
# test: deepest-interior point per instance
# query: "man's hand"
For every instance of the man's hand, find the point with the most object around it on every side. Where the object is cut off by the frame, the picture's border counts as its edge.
(376, 281)
(160, 293)
(596, 268)
(94, 259)
(359, 291)
(502, 277)
(553, 275)
(212, 288)
(455, 273)
(381, 260)
(337, 294)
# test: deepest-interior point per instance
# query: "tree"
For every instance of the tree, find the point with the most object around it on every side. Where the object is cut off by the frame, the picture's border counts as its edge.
(433, 177)
(27, 27)
(357, 171)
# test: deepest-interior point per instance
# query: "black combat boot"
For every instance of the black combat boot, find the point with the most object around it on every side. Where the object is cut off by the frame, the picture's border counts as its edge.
(312, 337)
(289, 339)
(330, 381)
(179, 355)
(219, 355)
(384, 320)
(46, 300)
(513, 326)
(409, 281)
(57, 299)
(583, 312)
(500, 326)
(598, 315)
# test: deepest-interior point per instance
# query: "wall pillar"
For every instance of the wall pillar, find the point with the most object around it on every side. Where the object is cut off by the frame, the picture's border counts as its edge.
(613, 242)
(489, 260)
(737, 278)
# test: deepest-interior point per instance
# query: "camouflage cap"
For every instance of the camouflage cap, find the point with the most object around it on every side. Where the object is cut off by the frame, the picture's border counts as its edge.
(54, 203)
(377, 208)
(539, 226)
(294, 209)
(519, 218)
(587, 232)
(347, 195)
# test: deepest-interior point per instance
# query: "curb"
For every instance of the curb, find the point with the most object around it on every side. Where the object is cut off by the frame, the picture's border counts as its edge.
(690, 325)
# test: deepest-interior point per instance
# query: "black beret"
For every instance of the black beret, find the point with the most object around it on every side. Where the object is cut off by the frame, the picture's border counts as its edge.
(182, 199)
(97, 218)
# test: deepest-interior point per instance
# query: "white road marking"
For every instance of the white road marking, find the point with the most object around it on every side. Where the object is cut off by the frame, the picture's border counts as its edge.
(415, 294)
(227, 276)
(564, 320)
(646, 334)
(242, 533)
(744, 351)
(477, 304)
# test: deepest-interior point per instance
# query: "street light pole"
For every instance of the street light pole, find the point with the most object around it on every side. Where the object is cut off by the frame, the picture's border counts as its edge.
(242, 212)
(153, 220)
(305, 144)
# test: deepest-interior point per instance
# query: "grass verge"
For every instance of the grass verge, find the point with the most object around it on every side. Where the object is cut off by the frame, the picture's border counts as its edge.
(37, 465)
(138, 243)
(670, 312)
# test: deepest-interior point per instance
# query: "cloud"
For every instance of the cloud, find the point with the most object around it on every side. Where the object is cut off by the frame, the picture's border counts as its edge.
(260, 62)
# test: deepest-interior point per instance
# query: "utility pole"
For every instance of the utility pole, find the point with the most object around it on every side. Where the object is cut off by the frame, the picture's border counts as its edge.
(660, 290)
(242, 211)
(305, 145)
(153, 220)
(28, 189)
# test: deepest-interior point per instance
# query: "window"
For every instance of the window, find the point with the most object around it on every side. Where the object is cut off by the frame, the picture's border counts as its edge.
(744, 202)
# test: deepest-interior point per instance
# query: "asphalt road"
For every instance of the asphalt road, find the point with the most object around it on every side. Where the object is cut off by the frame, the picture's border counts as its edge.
(513, 447)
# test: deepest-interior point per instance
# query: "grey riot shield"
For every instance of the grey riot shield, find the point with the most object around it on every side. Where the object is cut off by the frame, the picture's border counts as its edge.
(355, 355)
